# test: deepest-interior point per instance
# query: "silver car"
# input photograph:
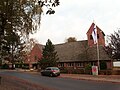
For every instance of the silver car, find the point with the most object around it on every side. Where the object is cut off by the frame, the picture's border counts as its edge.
(51, 71)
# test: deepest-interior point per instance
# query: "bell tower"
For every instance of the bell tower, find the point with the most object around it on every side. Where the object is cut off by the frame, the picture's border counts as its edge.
(100, 36)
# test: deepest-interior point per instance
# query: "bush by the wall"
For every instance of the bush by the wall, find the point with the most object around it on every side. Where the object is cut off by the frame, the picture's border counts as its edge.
(5, 66)
(18, 65)
(88, 69)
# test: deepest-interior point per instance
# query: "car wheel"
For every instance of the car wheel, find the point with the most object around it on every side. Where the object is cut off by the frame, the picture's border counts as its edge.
(58, 75)
(42, 74)
(51, 75)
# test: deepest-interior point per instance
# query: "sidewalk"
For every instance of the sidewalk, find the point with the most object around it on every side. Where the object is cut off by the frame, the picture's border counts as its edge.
(103, 78)
(107, 78)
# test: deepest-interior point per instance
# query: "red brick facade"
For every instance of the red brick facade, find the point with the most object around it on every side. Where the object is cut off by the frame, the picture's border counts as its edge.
(35, 55)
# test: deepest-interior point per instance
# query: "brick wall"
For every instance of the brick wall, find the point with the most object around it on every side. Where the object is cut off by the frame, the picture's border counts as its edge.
(35, 55)
(101, 39)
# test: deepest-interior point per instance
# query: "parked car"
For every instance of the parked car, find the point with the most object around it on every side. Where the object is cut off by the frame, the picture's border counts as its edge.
(51, 71)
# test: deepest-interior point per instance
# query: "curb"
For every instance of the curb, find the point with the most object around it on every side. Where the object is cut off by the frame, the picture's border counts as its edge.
(91, 79)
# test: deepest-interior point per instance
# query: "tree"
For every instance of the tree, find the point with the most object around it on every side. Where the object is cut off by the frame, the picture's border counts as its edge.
(29, 45)
(71, 39)
(21, 18)
(24, 16)
(13, 47)
(49, 57)
(113, 47)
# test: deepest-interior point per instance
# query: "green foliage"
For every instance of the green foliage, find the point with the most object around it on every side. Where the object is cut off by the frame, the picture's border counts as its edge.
(50, 56)
(71, 39)
(25, 66)
(18, 65)
(49, 4)
(103, 65)
(5, 66)
(88, 67)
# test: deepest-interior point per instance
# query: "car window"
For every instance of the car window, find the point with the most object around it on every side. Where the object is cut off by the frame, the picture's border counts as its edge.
(48, 68)
(55, 69)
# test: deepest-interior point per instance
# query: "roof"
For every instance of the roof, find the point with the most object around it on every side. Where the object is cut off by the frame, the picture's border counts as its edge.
(70, 51)
(93, 53)
(40, 46)
(79, 51)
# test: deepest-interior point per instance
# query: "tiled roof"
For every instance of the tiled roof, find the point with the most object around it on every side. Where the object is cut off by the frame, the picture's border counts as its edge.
(79, 51)
(93, 53)
(70, 51)
(40, 46)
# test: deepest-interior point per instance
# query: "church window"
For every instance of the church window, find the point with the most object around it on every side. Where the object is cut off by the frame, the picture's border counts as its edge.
(91, 38)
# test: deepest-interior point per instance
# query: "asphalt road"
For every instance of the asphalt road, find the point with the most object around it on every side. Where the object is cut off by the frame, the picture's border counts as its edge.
(59, 83)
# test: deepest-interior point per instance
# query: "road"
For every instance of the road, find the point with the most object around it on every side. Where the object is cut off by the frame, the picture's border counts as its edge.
(59, 83)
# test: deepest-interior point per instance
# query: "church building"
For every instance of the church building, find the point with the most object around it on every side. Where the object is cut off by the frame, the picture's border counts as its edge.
(76, 55)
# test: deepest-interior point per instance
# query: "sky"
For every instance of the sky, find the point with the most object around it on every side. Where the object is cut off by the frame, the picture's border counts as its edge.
(74, 17)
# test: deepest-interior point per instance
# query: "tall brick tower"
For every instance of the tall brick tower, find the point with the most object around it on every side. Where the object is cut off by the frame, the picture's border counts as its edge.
(100, 36)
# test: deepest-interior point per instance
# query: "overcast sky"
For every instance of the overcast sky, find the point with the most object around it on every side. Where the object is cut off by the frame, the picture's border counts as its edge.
(74, 17)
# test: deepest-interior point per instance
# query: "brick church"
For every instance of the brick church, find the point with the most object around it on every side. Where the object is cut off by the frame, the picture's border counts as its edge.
(76, 55)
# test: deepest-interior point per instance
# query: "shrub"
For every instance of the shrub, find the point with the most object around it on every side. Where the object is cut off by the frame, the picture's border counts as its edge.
(88, 69)
(5, 66)
(63, 70)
